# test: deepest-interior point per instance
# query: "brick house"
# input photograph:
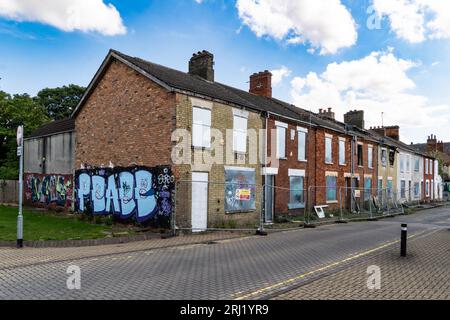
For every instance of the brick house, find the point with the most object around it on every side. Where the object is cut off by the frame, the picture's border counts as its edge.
(428, 178)
(346, 160)
(408, 170)
(440, 151)
(145, 133)
(148, 102)
(132, 107)
(290, 155)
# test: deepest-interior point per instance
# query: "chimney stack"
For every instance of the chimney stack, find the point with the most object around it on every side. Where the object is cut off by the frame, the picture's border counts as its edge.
(431, 143)
(261, 84)
(393, 132)
(202, 65)
(328, 113)
(379, 130)
(440, 146)
(355, 118)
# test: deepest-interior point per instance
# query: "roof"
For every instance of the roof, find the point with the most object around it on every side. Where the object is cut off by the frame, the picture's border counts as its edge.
(396, 143)
(175, 80)
(54, 127)
(178, 81)
(423, 147)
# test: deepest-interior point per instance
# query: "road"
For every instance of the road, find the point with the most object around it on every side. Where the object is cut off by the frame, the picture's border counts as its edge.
(245, 268)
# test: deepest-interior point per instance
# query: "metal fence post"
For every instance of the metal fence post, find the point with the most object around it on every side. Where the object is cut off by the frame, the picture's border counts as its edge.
(261, 231)
(174, 206)
(308, 218)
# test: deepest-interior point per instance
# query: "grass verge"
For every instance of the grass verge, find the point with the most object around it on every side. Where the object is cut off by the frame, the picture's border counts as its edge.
(47, 225)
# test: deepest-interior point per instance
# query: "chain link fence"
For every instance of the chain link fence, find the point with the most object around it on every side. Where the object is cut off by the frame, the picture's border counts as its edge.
(228, 206)
(369, 203)
(284, 208)
(350, 204)
(217, 206)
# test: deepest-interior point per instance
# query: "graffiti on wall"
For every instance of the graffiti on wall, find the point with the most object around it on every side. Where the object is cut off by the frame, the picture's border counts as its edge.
(140, 193)
(47, 189)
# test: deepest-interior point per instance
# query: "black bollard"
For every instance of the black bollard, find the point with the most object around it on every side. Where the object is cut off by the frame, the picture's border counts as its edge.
(404, 240)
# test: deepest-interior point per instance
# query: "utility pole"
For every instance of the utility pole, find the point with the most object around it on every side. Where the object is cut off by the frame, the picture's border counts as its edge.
(20, 216)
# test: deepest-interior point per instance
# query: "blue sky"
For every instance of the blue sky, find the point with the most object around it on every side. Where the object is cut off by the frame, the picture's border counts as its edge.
(401, 72)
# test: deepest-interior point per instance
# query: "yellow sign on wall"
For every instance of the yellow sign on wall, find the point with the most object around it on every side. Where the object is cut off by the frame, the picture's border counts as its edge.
(243, 194)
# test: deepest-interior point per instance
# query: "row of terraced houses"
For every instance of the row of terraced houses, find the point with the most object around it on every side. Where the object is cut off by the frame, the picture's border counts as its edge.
(115, 154)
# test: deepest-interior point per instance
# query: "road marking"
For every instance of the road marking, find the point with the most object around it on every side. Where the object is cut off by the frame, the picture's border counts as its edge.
(334, 264)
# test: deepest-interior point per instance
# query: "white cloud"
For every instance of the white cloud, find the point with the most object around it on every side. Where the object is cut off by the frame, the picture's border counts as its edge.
(416, 20)
(279, 74)
(376, 83)
(325, 25)
(67, 15)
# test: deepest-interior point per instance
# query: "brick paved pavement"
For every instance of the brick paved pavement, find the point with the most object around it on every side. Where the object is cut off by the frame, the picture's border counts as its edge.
(423, 274)
(230, 269)
(11, 257)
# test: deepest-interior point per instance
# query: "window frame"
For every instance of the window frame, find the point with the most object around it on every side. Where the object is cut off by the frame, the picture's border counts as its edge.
(370, 157)
(342, 155)
(237, 132)
(360, 155)
(196, 123)
(302, 132)
(328, 149)
(329, 200)
(293, 205)
(417, 164)
(385, 162)
(403, 189)
(281, 126)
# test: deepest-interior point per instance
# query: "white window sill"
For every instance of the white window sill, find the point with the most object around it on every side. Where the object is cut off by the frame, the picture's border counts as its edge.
(332, 202)
(296, 206)
(202, 148)
(302, 160)
(329, 163)
(343, 164)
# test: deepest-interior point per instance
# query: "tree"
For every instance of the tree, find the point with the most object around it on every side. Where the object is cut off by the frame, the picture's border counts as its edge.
(14, 111)
(59, 103)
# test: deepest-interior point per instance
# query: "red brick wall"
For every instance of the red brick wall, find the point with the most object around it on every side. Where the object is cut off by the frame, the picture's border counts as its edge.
(282, 184)
(429, 177)
(127, 120)
(319, 190)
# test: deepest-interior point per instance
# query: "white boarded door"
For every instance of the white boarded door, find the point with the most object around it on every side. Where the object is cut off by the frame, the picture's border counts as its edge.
(199, 201)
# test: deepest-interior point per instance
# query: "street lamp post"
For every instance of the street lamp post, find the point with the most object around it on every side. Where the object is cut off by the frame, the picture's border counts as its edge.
(20, 216)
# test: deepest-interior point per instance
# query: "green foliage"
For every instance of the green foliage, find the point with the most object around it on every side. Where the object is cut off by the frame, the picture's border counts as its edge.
(59, 103)
(16, 110)
(31, 112)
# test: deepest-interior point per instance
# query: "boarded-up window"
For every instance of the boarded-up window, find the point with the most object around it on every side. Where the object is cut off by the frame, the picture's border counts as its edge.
(240, 189)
